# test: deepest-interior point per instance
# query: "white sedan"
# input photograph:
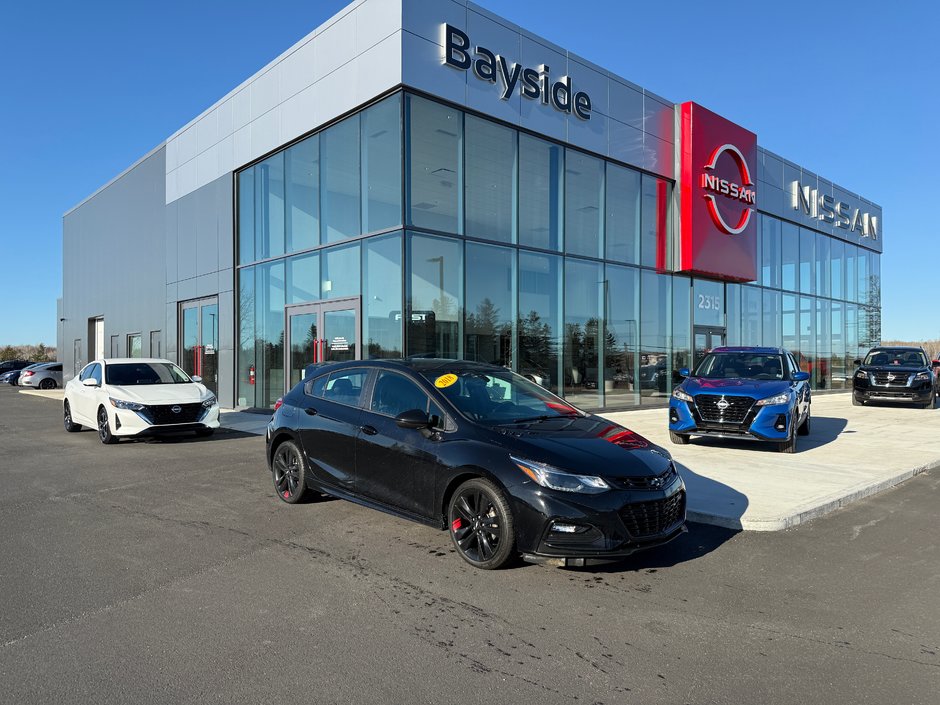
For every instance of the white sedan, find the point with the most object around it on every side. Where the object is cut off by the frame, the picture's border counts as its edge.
(138, 397)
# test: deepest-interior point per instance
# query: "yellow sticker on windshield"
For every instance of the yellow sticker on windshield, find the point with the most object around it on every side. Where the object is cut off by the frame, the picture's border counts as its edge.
(445, 381)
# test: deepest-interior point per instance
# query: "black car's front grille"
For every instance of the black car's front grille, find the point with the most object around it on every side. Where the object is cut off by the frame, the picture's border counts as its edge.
(645, 519)
(711, 408)
(890, 379)
(161, 414)
(658, 482)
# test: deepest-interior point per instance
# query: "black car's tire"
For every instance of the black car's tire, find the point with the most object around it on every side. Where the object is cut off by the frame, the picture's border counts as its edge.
(47, 384)
(104, 428)
(289, 473)
(205, 432)
(803, 430)
(679, 439)
(70, 425)
(856, 401)
(481, 524)
(788, 446)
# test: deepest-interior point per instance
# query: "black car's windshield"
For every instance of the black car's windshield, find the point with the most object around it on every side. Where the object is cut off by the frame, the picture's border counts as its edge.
(127, 374)
(743, 365)
(900, 357)
(501, 397)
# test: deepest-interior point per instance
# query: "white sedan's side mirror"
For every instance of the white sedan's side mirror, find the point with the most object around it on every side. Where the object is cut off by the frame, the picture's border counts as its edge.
(90, 382)
(195, 378)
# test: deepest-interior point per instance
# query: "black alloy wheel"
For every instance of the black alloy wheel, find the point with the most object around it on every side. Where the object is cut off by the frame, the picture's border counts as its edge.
(47, 384)
(678, 438)
(288, 472)
(481, 524)
(70, 425)
(104, 428)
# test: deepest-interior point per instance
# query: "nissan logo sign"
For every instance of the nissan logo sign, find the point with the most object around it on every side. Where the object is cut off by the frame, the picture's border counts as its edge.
(176, 408)
(729, 189)
(723, 404)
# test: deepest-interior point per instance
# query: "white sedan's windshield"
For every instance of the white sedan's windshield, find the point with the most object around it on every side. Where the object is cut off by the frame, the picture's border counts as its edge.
(498, 397)
(126, 374)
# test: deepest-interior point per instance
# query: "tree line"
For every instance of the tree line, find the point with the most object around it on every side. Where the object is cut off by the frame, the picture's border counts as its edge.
(34, 353)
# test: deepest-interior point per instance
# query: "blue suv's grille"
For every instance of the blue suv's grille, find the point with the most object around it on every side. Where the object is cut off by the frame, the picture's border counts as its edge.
(711, 408)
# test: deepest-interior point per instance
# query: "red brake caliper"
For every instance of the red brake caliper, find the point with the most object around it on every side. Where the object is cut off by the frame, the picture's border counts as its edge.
(456, 524)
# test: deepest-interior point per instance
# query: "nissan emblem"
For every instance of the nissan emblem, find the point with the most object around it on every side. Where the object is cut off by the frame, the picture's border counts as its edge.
(723, 404)
(176, 408)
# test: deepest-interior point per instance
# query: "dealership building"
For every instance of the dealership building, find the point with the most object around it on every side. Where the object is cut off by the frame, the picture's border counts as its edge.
(423, 177)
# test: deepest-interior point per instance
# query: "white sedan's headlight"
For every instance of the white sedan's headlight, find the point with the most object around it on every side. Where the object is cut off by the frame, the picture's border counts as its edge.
(210, 401)
(553, 478)
(121, 404)
(679, 394)
(782, 398)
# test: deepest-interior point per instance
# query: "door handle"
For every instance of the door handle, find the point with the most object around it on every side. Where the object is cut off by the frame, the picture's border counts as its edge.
(310, 411)
(368, 430)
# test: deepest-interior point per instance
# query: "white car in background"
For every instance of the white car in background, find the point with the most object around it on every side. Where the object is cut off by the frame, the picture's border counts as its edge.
(123, 397)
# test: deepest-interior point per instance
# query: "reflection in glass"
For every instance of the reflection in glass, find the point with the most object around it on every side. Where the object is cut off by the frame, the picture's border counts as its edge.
(381, 297)
(339, 192)
(434, 148)
(790, 256)
(584, 204)
(770, 253)
(682, 324)
(303, 194)
(771, 314)
(584, 331)
(540, 193)
(807, 347)
(654, 236)
(539, 318)
(622, 340)
(340, 271)
(822, 340)
(303, 279)
(246, 216)
(491, 180)
(655, 333)
(837, 267)
(381, 165)
(434, 296)
(807, 260)
(839, 378)
(491, 283)
(825, 269)
(246, 336)
(623, 214)
(269, 207)
(751, 319)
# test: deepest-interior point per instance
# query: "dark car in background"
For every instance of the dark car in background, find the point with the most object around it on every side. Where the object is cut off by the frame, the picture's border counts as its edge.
(895, 374)
(743, 393)
(503, 465)
(10, 368)
(15, 377)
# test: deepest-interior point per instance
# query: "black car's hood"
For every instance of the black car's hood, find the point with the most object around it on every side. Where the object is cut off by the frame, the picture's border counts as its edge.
(588, 445)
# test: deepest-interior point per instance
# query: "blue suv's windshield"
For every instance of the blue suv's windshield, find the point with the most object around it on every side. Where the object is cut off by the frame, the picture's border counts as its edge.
(743, 365)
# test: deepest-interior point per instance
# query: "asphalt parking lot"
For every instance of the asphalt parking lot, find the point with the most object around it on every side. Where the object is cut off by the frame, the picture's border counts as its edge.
(167, 572)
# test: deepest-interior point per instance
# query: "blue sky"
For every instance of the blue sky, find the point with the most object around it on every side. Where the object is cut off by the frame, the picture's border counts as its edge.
(850, 90)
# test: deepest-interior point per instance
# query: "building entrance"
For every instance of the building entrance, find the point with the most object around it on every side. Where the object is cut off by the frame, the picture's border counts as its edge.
(706, 339)
(199, 336)
(320, 332)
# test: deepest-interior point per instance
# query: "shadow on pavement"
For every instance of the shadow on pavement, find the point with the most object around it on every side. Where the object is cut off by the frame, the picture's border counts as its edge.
(823, 430)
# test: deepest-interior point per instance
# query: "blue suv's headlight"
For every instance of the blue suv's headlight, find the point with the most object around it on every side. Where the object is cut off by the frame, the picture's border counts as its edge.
(781, 398)
(679, 394)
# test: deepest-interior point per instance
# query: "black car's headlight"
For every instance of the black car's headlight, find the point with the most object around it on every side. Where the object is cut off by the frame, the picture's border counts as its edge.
(555, 479)
(861, 374)
(781, 398)
(679, 394)
(209, 401)
(121, 404)
(922, 377)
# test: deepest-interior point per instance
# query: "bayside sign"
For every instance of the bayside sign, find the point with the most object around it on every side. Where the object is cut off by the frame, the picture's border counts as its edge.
(824, 207)
(534, 84)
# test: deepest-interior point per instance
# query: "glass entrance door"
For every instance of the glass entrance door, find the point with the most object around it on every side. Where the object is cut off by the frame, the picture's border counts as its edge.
(706, 339)
(199, 337)
(321, 332)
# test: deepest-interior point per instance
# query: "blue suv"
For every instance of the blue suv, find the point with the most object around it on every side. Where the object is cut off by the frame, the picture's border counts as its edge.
(746, 393)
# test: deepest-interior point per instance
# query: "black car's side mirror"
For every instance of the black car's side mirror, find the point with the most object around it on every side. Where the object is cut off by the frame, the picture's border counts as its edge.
(858, 363)
(413, 418)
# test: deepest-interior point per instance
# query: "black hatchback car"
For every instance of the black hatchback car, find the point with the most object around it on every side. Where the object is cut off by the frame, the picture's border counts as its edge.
(894, 374)
(502, 464)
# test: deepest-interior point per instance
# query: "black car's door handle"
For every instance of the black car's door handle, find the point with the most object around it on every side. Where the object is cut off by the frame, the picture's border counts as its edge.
(368, 430)
(310, 411)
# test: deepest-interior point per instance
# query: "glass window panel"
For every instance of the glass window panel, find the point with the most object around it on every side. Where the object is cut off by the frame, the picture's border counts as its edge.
(807, 260)
(838, 376)
(862, 278)
(622, 338)
(340, 275)
(850, 288)
(771, 333)
(789, 256)
(852, 351)
(540, 322)
(823, 342)
(751, 317)
(824, 266)
(491, 180)
(435, 296)
(584, 204)
(655, 333)
(381, 295)
(733, 314)
(682, 296)
(708, 303)
(874, 281)
(836, 266)
(134, 348)
(654, 235)
(303, 194)
(491, 286)
(790, 322)
(770, 252)
(246, 336)
(434, 144)
(807, 332)
(246, 216)
(269, 207)
(303, 279)
(269, 334)
(381, 165)
(339, 174)
(583, 331)
(540, 193)
(623, 214)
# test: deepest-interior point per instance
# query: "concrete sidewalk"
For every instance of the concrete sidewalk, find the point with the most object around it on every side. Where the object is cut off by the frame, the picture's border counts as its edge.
(852, 452)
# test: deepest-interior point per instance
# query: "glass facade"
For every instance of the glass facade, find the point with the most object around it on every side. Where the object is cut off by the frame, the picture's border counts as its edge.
(457, 236)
